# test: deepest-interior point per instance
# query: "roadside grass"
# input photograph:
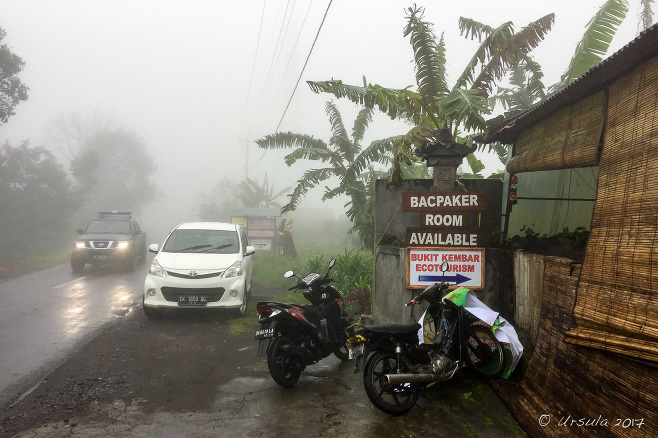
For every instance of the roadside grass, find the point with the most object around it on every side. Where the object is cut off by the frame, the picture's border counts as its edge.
(34, 261)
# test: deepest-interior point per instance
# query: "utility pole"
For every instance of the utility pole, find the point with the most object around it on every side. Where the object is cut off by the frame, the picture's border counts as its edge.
(246, 155)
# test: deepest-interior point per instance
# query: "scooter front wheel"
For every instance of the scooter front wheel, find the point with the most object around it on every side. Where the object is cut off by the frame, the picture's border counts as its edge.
(283, 368)
(342, 351)
(393, 399)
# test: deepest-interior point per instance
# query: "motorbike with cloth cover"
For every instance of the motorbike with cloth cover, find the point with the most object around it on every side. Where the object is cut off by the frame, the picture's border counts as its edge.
(398, 361)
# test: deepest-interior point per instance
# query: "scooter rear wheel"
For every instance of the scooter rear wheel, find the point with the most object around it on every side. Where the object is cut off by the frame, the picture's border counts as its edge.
(392, 399)
(283, 368)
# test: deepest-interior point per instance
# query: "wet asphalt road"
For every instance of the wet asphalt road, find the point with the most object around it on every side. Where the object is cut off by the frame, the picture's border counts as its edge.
(45, 317)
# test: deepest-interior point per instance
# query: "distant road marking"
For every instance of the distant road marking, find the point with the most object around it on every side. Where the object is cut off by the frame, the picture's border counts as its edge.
(66, 284)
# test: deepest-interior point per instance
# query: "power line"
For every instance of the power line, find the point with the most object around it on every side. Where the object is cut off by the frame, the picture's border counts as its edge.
(253, 66)
(304, 67)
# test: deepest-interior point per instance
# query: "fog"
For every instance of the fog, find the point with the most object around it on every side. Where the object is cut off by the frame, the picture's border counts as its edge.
(198, 81)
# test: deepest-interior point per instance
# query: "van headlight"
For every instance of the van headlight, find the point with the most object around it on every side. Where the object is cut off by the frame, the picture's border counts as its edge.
(156, 269)
(233, 271)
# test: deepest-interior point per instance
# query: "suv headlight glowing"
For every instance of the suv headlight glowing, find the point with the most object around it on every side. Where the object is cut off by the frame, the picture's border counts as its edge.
(156, 269)
(123, 244)
(80, 244)
(233, 271)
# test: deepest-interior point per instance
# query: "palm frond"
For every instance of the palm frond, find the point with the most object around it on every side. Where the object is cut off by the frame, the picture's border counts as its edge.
(310, 179)
(283, 140)
(378, 151)
(527, 87)
(467, 107)
(501, 49)
(596, 40)
(395, 103)
(340, 139)
(494, 41)
(307, 153)
(363, 119)
(429, 57)
(468, 26)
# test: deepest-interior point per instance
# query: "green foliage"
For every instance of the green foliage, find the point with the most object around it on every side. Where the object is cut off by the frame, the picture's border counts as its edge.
(35, 197)
(343, 158)
(435, 105)
(353, 268)
(596, 40)
(12, 90)
(253, 194)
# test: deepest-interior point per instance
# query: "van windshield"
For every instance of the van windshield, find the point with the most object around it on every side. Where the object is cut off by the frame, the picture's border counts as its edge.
(203, 241)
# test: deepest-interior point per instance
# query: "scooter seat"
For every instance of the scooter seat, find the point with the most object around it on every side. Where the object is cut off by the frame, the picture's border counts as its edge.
(405, 329)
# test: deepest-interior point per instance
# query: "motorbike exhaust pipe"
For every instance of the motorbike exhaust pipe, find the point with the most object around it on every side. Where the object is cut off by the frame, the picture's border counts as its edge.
(399, 379)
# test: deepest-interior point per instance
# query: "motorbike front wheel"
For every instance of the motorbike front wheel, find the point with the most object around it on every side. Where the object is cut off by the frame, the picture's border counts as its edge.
(392, 399)
(484, 353)
(283, 368)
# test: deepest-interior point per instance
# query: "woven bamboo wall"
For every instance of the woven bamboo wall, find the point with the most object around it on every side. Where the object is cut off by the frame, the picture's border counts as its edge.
(617, 305)
(569, 138)
(563, 379)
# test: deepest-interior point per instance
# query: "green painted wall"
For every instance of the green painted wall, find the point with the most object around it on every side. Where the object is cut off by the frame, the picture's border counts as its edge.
(553, 216)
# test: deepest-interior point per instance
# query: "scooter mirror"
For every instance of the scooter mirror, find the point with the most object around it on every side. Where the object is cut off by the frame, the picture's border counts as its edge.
(332, 263)
(445, 267)
(288, 274)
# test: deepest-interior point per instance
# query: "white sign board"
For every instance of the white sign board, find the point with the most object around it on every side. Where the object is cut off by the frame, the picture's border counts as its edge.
(466, 267)
(262, 244)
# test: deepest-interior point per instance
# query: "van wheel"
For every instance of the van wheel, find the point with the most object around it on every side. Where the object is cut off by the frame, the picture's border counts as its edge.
(242, 310)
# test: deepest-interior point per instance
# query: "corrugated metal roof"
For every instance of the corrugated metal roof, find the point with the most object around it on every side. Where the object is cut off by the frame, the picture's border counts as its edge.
(638, 51)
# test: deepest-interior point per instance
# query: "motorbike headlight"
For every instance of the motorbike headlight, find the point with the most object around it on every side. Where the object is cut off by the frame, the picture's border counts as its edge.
(123, 244)
(233, 271)
(156, 269)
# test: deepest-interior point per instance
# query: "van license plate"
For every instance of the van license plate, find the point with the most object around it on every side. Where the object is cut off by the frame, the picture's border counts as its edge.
(192, 300)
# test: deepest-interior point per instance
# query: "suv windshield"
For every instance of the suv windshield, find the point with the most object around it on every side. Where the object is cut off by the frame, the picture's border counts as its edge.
(203, 241)
(109, 227)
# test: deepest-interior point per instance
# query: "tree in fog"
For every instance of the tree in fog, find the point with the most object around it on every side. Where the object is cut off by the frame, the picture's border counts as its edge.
(253, 194)
(12, 90)
(113, 170)
(220, 202)
(35, 198)
(343, 158)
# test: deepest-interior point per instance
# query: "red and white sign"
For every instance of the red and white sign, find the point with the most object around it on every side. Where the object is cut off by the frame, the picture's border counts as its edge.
(466, 267)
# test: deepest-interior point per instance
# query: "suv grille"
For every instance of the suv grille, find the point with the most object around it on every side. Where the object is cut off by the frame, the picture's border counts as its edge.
(214, 294)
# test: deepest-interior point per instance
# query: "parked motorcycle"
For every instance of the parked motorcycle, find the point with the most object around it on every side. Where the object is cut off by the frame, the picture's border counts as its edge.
(294, 336)
(396, 366)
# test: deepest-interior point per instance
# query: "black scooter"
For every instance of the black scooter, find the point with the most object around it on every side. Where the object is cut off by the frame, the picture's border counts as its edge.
(396, 367)
(294, 336)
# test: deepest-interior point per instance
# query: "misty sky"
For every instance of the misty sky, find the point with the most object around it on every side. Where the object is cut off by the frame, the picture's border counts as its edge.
(197, 80)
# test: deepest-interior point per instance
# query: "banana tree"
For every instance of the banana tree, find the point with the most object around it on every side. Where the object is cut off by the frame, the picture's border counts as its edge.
(435, 105)
(253, 194)
(598, 35)
(342, 157)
